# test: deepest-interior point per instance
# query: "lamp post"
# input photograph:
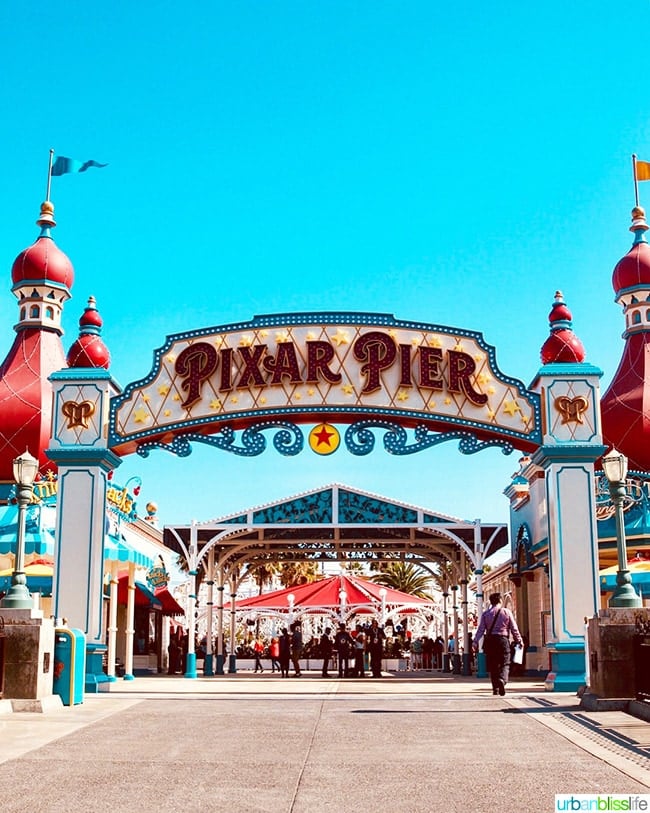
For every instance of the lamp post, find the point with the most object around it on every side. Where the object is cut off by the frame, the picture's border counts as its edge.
(615, 468)
(342, 599)
(25, 470)
(291, 599)
(382, 595)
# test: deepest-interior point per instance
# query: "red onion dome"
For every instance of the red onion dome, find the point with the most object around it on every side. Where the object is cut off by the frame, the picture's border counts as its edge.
(562, 346)
(43, 261)
(89, 349)
(633, 270)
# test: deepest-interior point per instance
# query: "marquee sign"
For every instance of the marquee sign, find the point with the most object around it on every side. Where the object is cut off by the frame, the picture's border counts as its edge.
(367, 370)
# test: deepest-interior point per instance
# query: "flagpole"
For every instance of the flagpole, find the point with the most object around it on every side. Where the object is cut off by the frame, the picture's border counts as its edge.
(636, 182)
(49, 176)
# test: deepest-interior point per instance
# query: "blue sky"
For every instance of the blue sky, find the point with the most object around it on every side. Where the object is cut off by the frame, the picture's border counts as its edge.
(443, 163)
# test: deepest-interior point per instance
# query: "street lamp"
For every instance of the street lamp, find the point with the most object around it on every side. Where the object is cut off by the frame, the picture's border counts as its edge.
(25, 470)
(615, 468)
(382, 595)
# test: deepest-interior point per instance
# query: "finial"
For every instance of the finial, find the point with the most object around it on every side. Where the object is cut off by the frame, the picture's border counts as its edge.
(46, 218)
(639, 225)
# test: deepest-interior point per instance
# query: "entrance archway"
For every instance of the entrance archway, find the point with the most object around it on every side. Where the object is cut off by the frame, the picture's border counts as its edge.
(416, 384)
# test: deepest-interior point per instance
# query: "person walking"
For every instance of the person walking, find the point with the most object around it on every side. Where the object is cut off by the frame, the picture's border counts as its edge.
(284, 645)
(258, 650)
(326, 650)
(375, 644)
(274, 653)
(497, 624)
(296, 647)
(359, 655)
(343, 642)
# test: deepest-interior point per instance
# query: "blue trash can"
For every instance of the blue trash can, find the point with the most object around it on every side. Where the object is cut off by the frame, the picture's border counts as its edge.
(69, 665)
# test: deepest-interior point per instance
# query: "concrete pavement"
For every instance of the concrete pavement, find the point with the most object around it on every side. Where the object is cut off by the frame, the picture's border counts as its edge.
(407, 742)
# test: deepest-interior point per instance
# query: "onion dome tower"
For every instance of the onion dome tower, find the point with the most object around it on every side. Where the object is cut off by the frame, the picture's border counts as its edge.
(89, 350)
(625, 407)
(562, 346)
(42, 279)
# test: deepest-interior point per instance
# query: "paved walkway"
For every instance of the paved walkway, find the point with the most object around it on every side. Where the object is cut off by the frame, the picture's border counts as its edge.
(410, 742)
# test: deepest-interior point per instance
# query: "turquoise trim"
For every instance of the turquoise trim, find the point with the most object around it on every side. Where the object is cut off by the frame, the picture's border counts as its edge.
(568, 452)
(84, 374)
(567, 667)
(84, 456)
(128, 676)
(558, 370)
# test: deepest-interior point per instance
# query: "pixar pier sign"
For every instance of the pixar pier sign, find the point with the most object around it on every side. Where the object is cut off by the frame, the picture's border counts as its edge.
(364, 370)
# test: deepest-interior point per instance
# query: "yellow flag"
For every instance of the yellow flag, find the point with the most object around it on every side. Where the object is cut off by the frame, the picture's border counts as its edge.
(642, 170)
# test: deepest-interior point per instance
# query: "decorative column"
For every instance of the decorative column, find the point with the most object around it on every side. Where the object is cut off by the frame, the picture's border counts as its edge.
(445, 623)
(193, 564)
(208, 667)
(220, 594)
(455, 660)
(232, 657)
(479, 554)
(79, 448)
(467, 655)
(572, 441)
(129, 637)
(112, 623)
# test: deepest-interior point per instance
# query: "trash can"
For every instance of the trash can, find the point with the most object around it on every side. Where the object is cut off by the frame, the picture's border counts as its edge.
(69, 665)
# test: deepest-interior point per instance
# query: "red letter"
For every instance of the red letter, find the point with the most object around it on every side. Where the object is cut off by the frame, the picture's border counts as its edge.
(284, 364)
(461, 367)
(379, 351)
(196, 363)
(319, 355)
(430, 361)
(251, 373)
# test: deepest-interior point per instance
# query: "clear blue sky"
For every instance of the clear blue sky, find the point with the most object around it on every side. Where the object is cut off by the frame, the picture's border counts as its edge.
(447, 163)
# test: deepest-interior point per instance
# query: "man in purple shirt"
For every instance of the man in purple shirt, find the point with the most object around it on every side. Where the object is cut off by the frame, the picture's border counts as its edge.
(497, 623)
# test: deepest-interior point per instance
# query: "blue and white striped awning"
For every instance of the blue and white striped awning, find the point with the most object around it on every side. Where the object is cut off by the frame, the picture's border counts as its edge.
(39, 529)
(117, 549)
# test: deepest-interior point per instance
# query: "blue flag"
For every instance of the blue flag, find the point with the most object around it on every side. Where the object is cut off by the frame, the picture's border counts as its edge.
(63, 166)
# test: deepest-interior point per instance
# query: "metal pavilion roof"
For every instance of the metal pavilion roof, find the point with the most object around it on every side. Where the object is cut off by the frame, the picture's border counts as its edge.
(334, 523)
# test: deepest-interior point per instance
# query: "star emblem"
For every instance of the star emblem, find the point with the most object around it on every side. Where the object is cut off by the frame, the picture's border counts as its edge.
(511, 407)
(140, 416)
(324, 439)
(340, 337)
(163, 389)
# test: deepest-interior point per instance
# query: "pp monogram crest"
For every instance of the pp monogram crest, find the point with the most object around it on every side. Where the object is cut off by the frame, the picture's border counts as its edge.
(78, 414)
(572, 409)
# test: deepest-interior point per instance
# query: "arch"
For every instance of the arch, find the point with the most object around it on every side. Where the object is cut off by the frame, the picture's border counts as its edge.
(415, 384)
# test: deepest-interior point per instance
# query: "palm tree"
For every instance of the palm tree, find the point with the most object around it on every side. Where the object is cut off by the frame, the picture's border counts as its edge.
(294, 573)
(407, 577)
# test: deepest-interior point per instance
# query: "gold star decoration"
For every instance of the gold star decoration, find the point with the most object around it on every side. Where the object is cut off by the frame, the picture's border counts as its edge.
(415, 341)
(348, 389)
(297, 396)
(176, 397)
(171, 358)
(245, 341)
(458, 346)
(263, 334)
(311, 336)
(491, 390)
(283, 336)
(163, 389)
(434, 341)
(483, 378)
(340, 337)
(146, 397)
(311, 391)
(402, 395)
(262, 400)
(511, 407)
(447, 401)
(215, 404)
(234, 400)
(140, 416)
(167, 413)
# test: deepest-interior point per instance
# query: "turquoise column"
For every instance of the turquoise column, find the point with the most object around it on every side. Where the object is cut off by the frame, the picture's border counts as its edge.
(572, 442)
(78, 446)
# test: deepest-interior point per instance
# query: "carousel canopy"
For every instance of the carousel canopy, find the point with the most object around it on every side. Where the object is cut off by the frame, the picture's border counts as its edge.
(356, 594)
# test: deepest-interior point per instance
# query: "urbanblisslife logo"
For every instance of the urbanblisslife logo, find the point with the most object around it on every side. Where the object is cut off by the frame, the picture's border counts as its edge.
(602, 802)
